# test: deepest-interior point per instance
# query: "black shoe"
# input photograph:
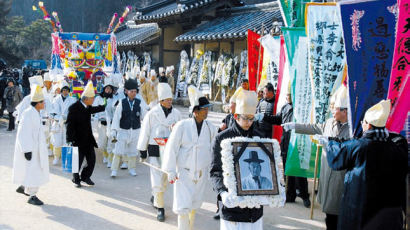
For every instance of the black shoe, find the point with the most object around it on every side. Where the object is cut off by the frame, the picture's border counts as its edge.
(35, 201)
(306, 203)
(9, 130)
(21, 190)
(290, 199)
(152, 202)
(77, 183)
(217, 216)
(88, 181)
(161, 215)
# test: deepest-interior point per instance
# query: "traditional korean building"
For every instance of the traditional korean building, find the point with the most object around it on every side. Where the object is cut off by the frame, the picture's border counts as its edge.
(173, 18)
(228, 32)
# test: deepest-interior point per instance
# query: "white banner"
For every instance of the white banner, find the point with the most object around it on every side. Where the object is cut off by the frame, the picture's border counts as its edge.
(326, 54)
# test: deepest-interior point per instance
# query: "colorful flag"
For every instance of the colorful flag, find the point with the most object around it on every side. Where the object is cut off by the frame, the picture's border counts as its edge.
(301, 153)
(369, 35)
(326, 54)
(399, 87)
(277, 129)
(293, 12)
(255, 60)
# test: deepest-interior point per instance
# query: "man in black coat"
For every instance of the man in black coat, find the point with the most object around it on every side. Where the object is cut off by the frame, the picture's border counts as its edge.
(284, 116)
(265, 107)
(80, 134)
(245, 127)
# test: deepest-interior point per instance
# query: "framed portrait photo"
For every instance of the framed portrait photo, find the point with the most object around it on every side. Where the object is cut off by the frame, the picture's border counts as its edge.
(255, 168)
(251, 173)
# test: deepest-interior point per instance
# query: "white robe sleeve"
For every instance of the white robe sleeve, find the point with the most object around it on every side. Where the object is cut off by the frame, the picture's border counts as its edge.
(172, 148)
(145, 134)
(116, 119)
(25, 136)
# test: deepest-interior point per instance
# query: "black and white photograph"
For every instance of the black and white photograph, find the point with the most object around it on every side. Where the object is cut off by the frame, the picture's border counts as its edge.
(255, 171)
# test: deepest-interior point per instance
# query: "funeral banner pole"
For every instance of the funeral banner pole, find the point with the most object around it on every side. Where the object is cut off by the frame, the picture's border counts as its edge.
(259, 60)
(318, 148)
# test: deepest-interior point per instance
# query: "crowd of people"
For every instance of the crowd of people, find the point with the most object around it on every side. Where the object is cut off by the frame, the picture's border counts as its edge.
(362, 181)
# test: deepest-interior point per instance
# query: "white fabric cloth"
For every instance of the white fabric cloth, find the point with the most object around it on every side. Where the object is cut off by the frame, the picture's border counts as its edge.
(190, 156)
(102, 140)
(30, 138)
(127, 139)
(229, 225)
(154, 125)
(58, 128)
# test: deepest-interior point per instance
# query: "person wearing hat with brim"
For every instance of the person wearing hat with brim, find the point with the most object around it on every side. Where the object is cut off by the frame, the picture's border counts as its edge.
(80, 133)
(285, 115)
(12, 96)
(125, 128)
(101, 118)
(331, 182)
(254, 180)
(236, 217)
(187, 159)
(59, 114)
(158, 123)
(30, 165)
(375, 173)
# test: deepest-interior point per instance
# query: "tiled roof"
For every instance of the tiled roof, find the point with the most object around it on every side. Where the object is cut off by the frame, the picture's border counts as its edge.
(169, 8)
(137, 34)
(235, 25)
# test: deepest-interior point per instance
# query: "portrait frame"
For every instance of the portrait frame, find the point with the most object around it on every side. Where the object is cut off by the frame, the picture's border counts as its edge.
(250, 200)
(240, 150)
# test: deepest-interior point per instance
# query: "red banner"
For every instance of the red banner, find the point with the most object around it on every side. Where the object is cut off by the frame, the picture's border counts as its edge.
(255, 60)
(277, 129)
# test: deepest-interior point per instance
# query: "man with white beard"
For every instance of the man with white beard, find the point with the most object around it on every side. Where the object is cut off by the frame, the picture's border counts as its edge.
(158, 124)
(30, 165)
(59, 114)
(187, 158)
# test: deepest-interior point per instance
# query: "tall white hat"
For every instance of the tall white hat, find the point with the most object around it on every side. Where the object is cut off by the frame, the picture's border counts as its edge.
(36, 80)
(36, 93)
(341, 97)
(164, 91)
(47, 76)
(246, 102)
(377, 114)
(88, 90)
(160, 70)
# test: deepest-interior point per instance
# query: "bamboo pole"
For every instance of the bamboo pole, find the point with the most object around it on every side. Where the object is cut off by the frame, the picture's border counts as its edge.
(259, 59)
(314, 181)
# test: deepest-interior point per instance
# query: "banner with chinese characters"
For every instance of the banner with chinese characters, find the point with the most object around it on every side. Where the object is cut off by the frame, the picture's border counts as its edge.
(326, 54)
(255, 60)
(400, 73)
(300, 159)
(293, 12)
(369, 35)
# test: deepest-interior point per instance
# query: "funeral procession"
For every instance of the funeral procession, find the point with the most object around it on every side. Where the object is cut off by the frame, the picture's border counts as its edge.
(204, 114)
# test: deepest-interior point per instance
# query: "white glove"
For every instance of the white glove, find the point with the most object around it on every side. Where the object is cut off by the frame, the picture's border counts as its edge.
(288, 126)
(113, 134)
(15, 114)
(322, 140)
(259, 116)
(172, 177)
(227, 200)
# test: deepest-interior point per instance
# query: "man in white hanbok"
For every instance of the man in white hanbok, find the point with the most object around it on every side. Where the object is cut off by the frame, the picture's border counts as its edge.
(30, 165)
(158, 124)
(101, 118)
(59, 114)
(187, 159)
(125, 128)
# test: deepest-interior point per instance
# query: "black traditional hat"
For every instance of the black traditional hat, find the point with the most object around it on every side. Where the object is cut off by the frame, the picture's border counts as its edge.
(253, 157)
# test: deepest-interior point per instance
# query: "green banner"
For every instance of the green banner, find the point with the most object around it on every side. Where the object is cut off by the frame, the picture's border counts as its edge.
(302, 152)
(293, 12)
